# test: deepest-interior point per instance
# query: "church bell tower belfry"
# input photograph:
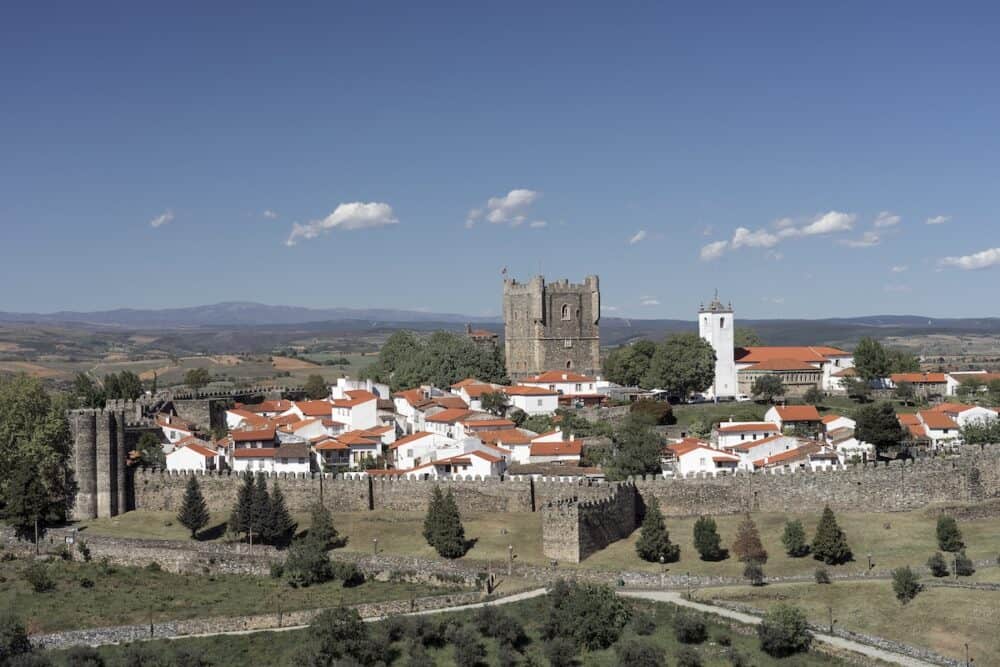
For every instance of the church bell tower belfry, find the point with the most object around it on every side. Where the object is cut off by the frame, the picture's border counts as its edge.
(716, 325)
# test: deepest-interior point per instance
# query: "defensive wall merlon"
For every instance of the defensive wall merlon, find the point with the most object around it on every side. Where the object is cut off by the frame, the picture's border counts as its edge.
(886, 487)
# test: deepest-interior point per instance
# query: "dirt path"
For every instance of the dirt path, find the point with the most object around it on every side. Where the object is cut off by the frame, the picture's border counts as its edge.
(673, 597)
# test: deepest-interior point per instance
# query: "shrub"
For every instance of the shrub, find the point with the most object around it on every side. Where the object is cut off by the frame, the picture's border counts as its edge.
(105, 567)
(905, 584)
(501, 626)
(507, 655)
(658, 412)
(154, 567)
(822, 575)
(340, 633)
(64, 553)
(469, 651)
(307, 563)
(654, 540)
(418, 657)
(723, 639)
(560, 652)
(784, 631)
(277, 570)
(949, 537)
(348, 573)
(794, 539)
(639, 653)
(13, 638)
(963, 565)
(589, 614)
(687, 657)
(86, 582)
(643, 623)
(737, 659)
(754, 573)
(707, 540)
(37, 576)
(426, 631)
(396, 627)
(830, 544)
(689, 629)
(748, 546)
(84, 656)
(84, 550)
(937, 565)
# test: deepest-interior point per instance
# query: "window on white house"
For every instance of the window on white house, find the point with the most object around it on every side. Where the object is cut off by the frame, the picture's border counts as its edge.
(539, 402)
(577, 387)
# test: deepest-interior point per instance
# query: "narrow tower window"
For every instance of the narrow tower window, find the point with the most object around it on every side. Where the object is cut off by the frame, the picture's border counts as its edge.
(565, 311)
(722, 323)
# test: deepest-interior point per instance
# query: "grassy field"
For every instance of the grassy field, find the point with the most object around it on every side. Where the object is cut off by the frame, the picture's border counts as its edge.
(909, 538)
(282, 648)
(125, 595)
(941, 619)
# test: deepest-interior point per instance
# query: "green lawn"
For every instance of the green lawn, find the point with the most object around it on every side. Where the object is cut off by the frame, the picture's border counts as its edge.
(941, 619)
(126, 595)
(281, 648)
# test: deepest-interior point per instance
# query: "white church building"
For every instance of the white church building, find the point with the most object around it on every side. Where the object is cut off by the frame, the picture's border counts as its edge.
(716, 325)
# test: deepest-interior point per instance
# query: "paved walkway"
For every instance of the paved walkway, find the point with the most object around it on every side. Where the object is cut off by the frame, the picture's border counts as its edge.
(674, 597)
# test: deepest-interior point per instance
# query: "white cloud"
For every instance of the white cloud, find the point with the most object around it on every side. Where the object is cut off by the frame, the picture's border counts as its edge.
(899, 269)
(938, 220)
(887, 219)
(896, 288)
(537, 224)
(979, 260)
(610, 309)
(758, 239)
(637, 237)
(351, 216)
(649, 301)
(508, 209)
(162, 219)
(782, 223)
(828, 223)
(268, 213)
(774, 299)
(714, 250)
(775, 255)
(867, 240)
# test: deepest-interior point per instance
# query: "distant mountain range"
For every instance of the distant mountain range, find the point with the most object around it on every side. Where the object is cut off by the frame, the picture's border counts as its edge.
(614, 330)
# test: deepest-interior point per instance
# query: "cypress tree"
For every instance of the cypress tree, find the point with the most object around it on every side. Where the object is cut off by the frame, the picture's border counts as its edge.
(794, 539)
(239, 518)
(193, 514)
(748, 547)
(830, 544)
(321, 527)
(451, 534)
(280, 525)
(706, 539)
(949, 537)
(432, 521)
(260, 506)
(654, 540)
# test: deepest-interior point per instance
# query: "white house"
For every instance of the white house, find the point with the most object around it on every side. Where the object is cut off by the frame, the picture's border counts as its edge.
(446, 422)
(966, 414)
(292, 457)
(474, 463)
(785, 416)
(848, 447)
(533, 400)
(268, 408)
(566, 383)
(472, 392)
(939, 428)
(193, 456)
(321, 409)
(174, 428)
(834, 422)
(561, 451)
(808, 454)
(305, 429)
(729, 434)
(358, 409)
(345, 386)
(414, 449)
(926, 384)
(240, 417)
(691, 455)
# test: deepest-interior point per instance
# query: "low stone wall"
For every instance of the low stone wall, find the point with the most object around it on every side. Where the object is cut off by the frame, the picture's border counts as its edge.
(130, 633)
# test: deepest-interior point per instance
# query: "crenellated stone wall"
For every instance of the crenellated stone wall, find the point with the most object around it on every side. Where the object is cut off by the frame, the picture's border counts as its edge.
(573, 529)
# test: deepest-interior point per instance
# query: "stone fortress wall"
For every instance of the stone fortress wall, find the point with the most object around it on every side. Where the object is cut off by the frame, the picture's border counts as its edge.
(537, 335)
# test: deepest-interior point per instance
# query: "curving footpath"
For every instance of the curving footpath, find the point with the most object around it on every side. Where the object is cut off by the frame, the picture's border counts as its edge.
(675, 598)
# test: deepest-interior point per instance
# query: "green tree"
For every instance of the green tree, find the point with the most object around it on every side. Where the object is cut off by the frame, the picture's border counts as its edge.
(812, 396)
(279, 527)
(658, 412)
(830, 543)
(748, 547)
(441, 360)
(589, 615)
(85, 392)
(682, 364)
(433, 520)
(193, 514)
(877, 424)
(240, 519)
(994, 390)
(949, 537)
(970, 387)
(754, 573)
(338, 637)
(149, 451)
(122, 385)
(963, 565)
(794, 539)
(637, 450)
(857, 389)
(905, 393)
(628, 365)
(29, 505)
(321, 526)
(640, 653)
(495, 402)
(260, 507)
(871, 360)
(316, 387)
(307, 562)
(901, 361)
(784, 631)
(905, 584)
(14, 640)
(689, 628)
(654, 543)
(767, 387)
(706, 539)
(196, 378)
(937, 565)
(981, 431)
(746, 337)
(450, 533)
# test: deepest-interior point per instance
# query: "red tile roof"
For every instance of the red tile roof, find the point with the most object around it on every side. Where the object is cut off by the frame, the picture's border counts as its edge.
(555, 377)
(496, 423)
(413, 396)
(449, 416)
(937, 420)
(766, 427)
(477, 390)
(687, 445)
(450, 402)
(754, 355)
(561, 448)
(354, 397)
(917, 430)
(254, 453)
(197, 449)
(801, 452)
(797, 413)
(522, 390)
(331, 445)
(783, 365)
(509, 436)
(252, 436)
(405, 440)
(918, 378)
(315, 408)
(907, 418)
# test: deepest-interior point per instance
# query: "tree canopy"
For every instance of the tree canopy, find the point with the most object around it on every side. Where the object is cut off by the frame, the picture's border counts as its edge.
(441, 359)
(767, 388)
(316, 387)
(746, 337)
(682, 364)
(196, 378)
(637, 449)
(877, 424)
(627, 365)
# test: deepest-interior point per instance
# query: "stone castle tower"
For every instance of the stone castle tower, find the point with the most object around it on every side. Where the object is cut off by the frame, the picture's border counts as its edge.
(552, 326)
(716, 325)
(99, 462)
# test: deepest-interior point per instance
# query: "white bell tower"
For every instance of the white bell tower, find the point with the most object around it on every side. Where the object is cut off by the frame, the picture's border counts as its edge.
(716, 325)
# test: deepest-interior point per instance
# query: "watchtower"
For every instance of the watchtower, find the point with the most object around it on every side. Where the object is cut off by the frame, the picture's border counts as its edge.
(716, 325)
(552, 326)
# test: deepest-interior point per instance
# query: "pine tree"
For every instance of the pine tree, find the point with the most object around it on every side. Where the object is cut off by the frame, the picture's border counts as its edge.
(794, 539)
(239, 518)
(949, 537)
(830, 544)
(451, 535)
(748, 547)
(260, 506)
(193, 514)
(321, 527)
(654, 540)
(432, 521)
(279, 526)
(706, 539)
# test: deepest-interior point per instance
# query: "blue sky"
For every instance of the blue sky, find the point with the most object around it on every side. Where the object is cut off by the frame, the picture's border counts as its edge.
(400, 155)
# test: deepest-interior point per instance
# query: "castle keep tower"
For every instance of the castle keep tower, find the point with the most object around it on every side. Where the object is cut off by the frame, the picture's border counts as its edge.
(99, 460)
(552, 326)
(716, 325)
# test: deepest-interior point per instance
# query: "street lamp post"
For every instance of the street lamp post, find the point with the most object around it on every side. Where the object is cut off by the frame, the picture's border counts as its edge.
(829, 610)
(375, 546)
(510, 559)
(869, 561)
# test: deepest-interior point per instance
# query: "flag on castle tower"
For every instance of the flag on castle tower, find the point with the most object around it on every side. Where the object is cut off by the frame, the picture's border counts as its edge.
(504, 272)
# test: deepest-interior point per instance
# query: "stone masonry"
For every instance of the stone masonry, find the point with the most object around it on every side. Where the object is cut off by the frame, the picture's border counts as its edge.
(552, 326)
(573, 529)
